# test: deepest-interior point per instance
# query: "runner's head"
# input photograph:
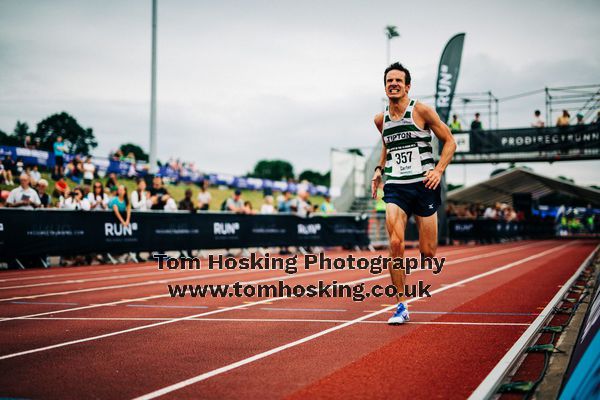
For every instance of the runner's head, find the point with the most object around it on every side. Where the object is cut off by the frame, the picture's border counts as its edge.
(397, 81)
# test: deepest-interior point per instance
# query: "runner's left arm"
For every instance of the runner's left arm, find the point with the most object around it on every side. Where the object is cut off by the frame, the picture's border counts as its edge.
(433, 177)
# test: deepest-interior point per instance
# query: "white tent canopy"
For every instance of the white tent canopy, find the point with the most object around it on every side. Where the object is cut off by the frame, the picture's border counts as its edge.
(501, 187)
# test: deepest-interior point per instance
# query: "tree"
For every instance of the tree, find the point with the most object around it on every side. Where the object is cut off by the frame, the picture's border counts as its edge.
(21, 130)
(315, 177)
(8, 140)
(76, 138)
(137, 151)
(273, 169)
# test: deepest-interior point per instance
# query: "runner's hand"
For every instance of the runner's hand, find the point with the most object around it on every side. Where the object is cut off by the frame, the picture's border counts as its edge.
(432, 179)
(375, 183)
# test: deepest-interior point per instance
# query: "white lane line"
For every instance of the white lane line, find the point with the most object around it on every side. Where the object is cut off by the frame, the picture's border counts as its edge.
(302, 309)
(124, 301)
(256, 357)
(85, 273)
(334, 321)
(44, 302)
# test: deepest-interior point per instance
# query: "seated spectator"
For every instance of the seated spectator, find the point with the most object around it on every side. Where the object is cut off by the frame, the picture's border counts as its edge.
(23, 196)
(204, 197)
(19, 167)
(538, 122)
(235, 203)
(267, 207)
(580, 120)
(327, 206)
(159, 195)
(3, 175)
(42, 186)
(476, 124)
(301, 205)
(140, 198)
(121, 206)
(490, 213)
(564, 119)
(284, 202)
(88, 171)
(248, 208)
(170, 205)
(9, 166)
(187, 203)
(97, 197)
(61, 191)
(76, 200)
(34, 174)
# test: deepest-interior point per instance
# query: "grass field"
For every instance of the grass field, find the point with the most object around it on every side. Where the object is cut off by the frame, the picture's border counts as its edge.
(178, 191)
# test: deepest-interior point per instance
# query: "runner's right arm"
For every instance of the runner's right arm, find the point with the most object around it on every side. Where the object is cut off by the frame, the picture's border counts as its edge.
(378, 172)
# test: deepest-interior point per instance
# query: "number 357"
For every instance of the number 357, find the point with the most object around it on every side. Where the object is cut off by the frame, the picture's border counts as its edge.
(403, 157)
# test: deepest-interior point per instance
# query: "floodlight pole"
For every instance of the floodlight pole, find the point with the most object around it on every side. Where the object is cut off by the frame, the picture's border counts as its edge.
(153, 165)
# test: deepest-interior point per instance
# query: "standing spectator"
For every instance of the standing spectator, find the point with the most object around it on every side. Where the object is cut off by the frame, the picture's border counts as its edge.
(42, 186)
(159, 195)
(580, 120)
(204, 197)
(97, 197)
(538, 122)
(88, 171)
(120, 205)
(455, 125)
(23, 196)
(59, 153)
(28, 143)
(76, 201)
(301, 205)
(267, 207)
(476, 124)
(9, 165)
(564, 119)
(140, 198)
(235, 203)
(187, 203)
(34, 174)
(327, 206)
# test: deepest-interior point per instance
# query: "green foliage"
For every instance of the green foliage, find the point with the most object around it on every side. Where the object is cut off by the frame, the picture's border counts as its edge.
(76, 138)
(21, 130)
(137, 151)
(273, 169)
(315, 177)
(8, 140)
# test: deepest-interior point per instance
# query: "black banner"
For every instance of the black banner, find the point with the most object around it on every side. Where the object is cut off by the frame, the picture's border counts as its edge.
(487, 230)
(38, 232)
(534, 139)
(448, 75)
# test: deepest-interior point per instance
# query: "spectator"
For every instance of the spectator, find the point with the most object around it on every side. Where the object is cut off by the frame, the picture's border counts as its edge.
(34, 174)
(170, 205)
(88, 171)
(120, 204)
(112, 183)
(187, 203)
(248, 208)
(476, 124)
(580, 120)
(538, 122)
(3, 175)
(42, 186)
(235, 203)
(284, 202)
(597, 121)
(563, 120)
(455, 125)
(61, 190)
(76, 201)
(327, 206)
(9, 165)
(204, 197)
(267, 207)
(140, 198)
(19, 167)
(490, 213)
(159, 195)
(301, 205)
(59, 153)
(97, 197)
(23, 196)
(28, 143)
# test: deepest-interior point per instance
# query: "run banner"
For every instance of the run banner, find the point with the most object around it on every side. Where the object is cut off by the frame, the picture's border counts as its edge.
(448, 76)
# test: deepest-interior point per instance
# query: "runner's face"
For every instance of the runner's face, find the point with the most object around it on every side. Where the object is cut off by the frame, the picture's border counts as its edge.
(395, 88)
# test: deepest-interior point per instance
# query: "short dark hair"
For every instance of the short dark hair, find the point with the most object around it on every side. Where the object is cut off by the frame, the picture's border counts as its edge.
(399, 67)
(537, 112)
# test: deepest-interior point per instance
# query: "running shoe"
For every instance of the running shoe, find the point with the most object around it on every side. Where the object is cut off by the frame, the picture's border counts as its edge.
(400, 316)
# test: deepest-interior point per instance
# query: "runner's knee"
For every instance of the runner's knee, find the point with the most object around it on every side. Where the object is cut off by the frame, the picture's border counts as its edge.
(396, 244)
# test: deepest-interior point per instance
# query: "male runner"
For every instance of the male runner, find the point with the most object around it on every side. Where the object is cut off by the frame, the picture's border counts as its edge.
(412, 176)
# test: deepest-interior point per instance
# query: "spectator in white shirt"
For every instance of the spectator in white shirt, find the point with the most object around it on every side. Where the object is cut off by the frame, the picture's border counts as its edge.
(88, 171)
(267, 207)
(538, 122)
(97, 198)
(23, 196)
(300, 205)
(76, 201)
(140, 198)
(204, 197)
(34, 174)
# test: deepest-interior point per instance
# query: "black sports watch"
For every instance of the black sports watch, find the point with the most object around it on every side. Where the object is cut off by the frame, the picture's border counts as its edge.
(380, 168)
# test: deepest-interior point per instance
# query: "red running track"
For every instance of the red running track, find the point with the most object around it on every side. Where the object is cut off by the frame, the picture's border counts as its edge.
(113, 332)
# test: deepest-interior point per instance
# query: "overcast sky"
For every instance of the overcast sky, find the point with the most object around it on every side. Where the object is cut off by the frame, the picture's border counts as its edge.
(242, 81)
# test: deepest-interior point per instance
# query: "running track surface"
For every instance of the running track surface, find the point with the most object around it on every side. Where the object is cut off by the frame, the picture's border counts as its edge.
(111, 332)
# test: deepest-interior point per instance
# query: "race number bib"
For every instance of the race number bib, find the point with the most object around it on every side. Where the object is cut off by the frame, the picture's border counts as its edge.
(406, 161)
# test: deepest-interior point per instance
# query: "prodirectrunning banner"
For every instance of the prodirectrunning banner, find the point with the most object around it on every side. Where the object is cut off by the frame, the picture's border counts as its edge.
(28, 232)
(529, 139)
